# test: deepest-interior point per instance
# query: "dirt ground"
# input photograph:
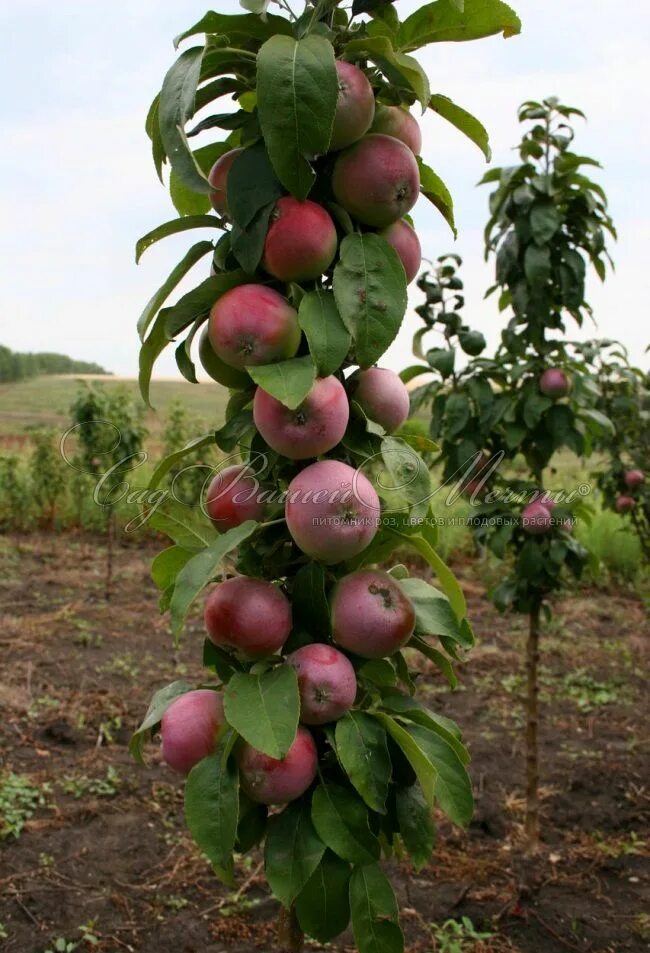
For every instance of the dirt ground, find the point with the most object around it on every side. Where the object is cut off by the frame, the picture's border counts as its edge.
(107, 852)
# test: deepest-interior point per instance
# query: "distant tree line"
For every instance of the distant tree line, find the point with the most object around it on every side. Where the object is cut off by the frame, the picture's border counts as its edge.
(15, 366)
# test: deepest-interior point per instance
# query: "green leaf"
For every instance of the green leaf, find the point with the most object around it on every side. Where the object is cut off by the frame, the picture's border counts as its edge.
(176, 106)
(200, 570)
(247, 244)
(252, 184)
(158, 705)
(328, 338)
(362, 749)
(457, 413)
(309, 600)
(416, 756)
(292, 852)
(172, 228)
(165, 465)
(297, 92)
(411, 710)
(438, 659)
(323, 906)
(413, 371)
(433, 614)
(252, 824)
(442, 359)
(453, 789)
(442, 21)
(341, 821)
(433, 188)
(463, 121)
(155, 303)
(601, 421)
(167, 564)
(415, 824)
(231, 434)
(152, 128)
(410, 476)
(247, 24)
(537, 265)
(186, 201)
(212, 810)
(151, 349)
(370, 292)
(264, 709)
(188, 526)
(397, 66)
(544, 220)
(287, 381)
(379, 671)
(374, 912)
(418, 441)
(447, 579)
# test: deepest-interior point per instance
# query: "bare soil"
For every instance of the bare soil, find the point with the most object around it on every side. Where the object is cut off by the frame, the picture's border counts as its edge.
(108, 848)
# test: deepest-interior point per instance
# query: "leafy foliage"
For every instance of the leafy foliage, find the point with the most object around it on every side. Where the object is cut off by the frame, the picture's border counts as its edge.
(624, 399)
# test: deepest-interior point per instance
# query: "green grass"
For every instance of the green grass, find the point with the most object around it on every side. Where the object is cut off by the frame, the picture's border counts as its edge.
(45, 401)
(612, 541)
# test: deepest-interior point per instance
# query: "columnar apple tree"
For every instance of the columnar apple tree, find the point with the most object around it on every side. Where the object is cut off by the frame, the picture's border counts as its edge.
(624, 398)
(536, 395)
(306, 734)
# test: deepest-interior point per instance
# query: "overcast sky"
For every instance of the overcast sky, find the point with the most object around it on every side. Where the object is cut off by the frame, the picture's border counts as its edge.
(78, 185)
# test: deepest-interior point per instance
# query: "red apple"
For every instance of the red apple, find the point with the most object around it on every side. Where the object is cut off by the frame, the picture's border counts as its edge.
(407, 245)
(269, 781)
(554, 383)
(218, 179)
(252, 324)
(250, 615)
(189, 728)
(331, 511)
(301, 241)
(233, 497)
(624, 504)
(376, 180)
(326, 681)
(382, 396)
(399, 123)
(634, 478)
(355, 107)
(314, 427)
(371, 614)
(536, 518)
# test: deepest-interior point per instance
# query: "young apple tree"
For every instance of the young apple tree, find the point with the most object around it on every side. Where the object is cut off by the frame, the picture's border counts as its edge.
(535, 396)
(624, 398)
(109, 433)
(307, 735)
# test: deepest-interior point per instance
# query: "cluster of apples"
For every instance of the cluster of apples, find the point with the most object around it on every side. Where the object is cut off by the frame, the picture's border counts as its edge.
(633, 479)
(331, 509)
(374, 177)
(371, 618)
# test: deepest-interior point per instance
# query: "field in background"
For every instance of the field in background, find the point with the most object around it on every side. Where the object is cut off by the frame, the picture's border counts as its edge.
(45, 402)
